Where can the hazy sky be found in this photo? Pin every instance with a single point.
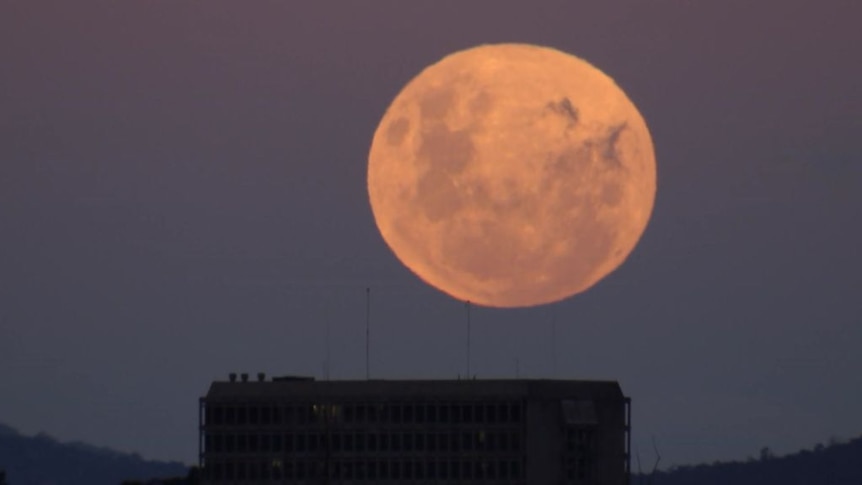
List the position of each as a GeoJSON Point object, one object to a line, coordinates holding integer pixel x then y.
{"type": "Point", "coordinates": [182, 195]}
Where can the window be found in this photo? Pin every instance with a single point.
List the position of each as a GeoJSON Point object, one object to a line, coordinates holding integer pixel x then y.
{"type": "Point", "coordinates": [252, 443]}
{"type": "Point", "coordinates": [217, 415]}
{"type": "Point", "coordinates": [515, 412]}
{"type": "Point", "coordinates": [230, 443]}
{"type": "Point", "coordinates": [266, 415]}
{"type": "Point", "coordinates": [490, 470]}
{"type": "Point", "coordinates": [431, 442]}
{"type": "Point", "coordinates": [241, 417]}
{"type": "Point", "coordinates": [230, 416]}
{"type": "Point", "coordinates": [454, 414]}
{"type": "Point", "coordinates": [420, 414]}
{"type": "Point", "coordinates": [467, 441]}
{"type": "Point", "coordinates": [408, 470]}
{"type": "Point", "coordinates": [407, 441]}
{"type": "Point", "coordinates": [384, 442]}
{"type": "Point", "coordinates": [265, 442]}
{"type": "Point", "coordinates": [491, 413]}
{"type": "Point", "coordinates": [276, 443]}
{"type": "Point", "coordinates": [301, 470]}
{"type": "Point", "coordinates": [431, 413]}
{"type": "Point", "coordinates": [372, 442]}
{"type": "Point", "coordinates": [467, 413]}
{"type": "Point", "coordinates": [503, 441]}
{"type": "Point", "coordinates": [253, 415]}
{"type": "Point", "coordinates": [408, 413]}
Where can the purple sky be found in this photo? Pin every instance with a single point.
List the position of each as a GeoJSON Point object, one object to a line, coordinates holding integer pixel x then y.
{"type": "Point", "coordinates": [182, 195]}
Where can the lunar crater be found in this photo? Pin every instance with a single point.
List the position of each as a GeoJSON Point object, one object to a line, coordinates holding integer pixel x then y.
{"type": "Point", "coordinates": [564, 108]}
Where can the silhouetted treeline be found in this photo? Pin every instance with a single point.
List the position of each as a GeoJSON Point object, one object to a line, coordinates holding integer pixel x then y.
{"type": "Point", "coordinates": [836, 464]}
{"type": "Point", "coordinates": [38, 460]}
{"type": "Point", "coordinates": [192, 478]}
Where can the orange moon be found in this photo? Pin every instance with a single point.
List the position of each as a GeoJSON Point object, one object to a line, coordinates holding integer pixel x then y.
{"type": "Point", "coordinates": [511, 175]}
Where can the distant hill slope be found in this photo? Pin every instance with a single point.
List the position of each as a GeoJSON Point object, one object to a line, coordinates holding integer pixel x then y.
{"type": "Point", "coordinates": [837, 464]}
{"type": "Point", "coordinates": [42, 460]}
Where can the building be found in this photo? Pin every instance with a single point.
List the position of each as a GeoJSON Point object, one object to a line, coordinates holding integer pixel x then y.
{"type": "Point", "coordinates": [302, 431]}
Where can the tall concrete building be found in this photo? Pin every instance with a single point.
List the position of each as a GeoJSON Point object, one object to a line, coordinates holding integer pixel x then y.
{"type": "Point", "coordinates": [301, 431]}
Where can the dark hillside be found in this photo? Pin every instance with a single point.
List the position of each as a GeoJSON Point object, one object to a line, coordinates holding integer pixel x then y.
{"type": "Point", "coordinates": [42, 460]}
{"type": "Point", "coordinates": [836, 464]}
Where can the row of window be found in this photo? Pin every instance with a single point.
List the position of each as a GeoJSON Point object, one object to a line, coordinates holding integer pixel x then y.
{"type": "Point", "coordinates": [492, 441]}
{"type": "Point", "coordinates": [485, 471]}
{"type": "Point", "coordinates": [217, 414]}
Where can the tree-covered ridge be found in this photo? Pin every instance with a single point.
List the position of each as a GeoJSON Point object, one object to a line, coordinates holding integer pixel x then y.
{"type": "Point", "coordinates": [835, 464]}
{"type": "Point", "coordinates": [42, 460]}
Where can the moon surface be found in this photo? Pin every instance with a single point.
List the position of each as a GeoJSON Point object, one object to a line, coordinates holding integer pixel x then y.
{"type": "Point", "coordinates": [511, 175]}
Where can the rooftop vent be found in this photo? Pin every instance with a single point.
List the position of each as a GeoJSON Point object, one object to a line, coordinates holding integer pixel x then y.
{"type": "Point", "coordinates": [232, 376]}
{"type": "Point", "coordinates": [244, 376]}
{"type": "Point", "coordinates": [261, 377]}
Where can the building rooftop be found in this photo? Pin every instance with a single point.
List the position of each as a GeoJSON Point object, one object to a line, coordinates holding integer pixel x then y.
{"type": "Point", "coordinates": [412, 389]}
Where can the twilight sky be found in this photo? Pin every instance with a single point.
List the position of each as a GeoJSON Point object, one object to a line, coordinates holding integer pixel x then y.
{"type": "Point", "coordinates": [182, 195]}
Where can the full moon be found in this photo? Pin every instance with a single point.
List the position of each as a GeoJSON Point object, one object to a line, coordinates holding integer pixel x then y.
{"type": "Point", "coordinates": [511, 175]}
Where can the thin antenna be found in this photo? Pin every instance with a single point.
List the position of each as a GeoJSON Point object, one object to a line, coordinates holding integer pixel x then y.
{"type": "Point", "coordinates": [554, 344]}
{"type": "Point", "coordinates": [367, 333]}
{"type": "Point", "coordinates": [467, 305]}
{"type": "Point", "coordinates": [327, 364]}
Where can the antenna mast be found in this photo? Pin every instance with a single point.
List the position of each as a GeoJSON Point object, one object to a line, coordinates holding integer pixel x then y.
{"type": "Point", "coordinates": [367, 333]}
{"type": "Point", "coordinates": [554, 344]}
{"type": "Point", "coordinates": [467, 305]}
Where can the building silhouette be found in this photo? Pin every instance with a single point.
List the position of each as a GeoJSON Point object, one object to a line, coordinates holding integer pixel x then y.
{"type": "Point", "coordinates": [301, 431]}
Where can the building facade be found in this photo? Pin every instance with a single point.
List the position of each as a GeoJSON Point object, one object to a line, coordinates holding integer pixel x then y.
{"type": "Point", "coordinates": [508, 432]}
